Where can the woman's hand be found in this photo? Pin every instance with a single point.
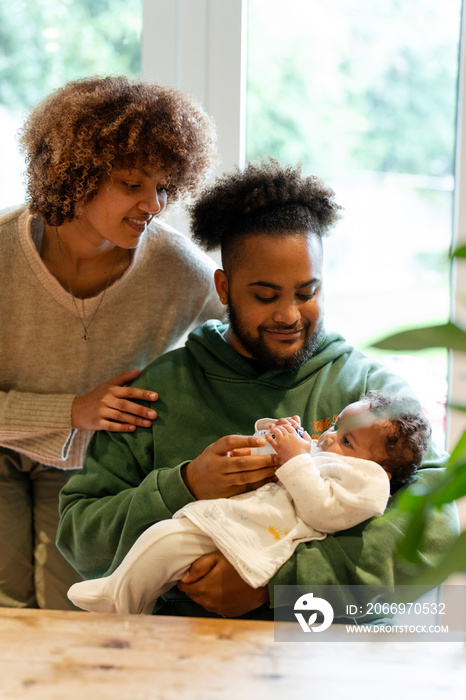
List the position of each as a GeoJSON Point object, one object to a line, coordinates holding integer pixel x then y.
{"type": "Point", "coordinates": [220, 471]}
{"type": "Point", "coordinates": [113, 406]}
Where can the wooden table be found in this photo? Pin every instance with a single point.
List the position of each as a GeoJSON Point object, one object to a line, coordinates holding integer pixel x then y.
{"type": "Point", "coordinates": [52, 655]}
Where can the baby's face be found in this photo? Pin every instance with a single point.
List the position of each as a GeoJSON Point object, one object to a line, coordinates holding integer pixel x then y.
{"type": "Point", "coordinates": [356, 433]}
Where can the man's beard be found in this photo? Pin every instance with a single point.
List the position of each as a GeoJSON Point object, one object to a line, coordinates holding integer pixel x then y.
{"type": "Point", "coordinates": [266, 358]}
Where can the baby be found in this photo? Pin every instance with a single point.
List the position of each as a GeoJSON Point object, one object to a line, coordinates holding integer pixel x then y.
{"type": "Point", "coordinates": [344, 479]}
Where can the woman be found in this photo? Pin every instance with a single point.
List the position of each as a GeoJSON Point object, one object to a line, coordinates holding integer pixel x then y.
{"type": "Point", "coordinates": [94, 288]}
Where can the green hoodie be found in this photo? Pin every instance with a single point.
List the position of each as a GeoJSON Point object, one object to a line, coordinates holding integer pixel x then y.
{"type": "Point", "coordinates": [207, 390]}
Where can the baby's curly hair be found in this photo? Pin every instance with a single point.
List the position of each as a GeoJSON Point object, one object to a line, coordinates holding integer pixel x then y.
{"type": "Point", "coordinates": [75, 138]}
{"type": "Point", "coordinates": [266, 197]}
{"type": "Point", "coordinates": [407, 437]}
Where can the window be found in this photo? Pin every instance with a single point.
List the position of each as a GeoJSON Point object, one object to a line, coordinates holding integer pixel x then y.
{"type": "Point", "coordinates": [364, 95]}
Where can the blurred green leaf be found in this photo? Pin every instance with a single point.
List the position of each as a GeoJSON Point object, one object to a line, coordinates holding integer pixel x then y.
{"type": "Point", "coordinates": [448, 335]}
{"type": "Point", "coordinates": [411, 543]}
{"type": "Point", "coordinates": [454, 560]}
{"type": "Point", "coordinates": [459, 252]}
{"type": "Point", "coordinates": [453, 488]}
{"type": "Point", "coordinates": [409, 500]}
{"type": "Point", "coordinates": [458, 453]}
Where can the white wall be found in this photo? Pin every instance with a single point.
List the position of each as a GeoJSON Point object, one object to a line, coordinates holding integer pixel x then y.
{"type": "Point", "coordinates": [201, 49]}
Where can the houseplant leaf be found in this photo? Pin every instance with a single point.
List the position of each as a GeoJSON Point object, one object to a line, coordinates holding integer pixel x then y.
{"type": "Point", "coordinates": [447, 335]}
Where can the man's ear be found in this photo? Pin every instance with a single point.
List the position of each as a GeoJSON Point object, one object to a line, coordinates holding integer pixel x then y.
{"type": "Point", "coordinates": [221, 285]}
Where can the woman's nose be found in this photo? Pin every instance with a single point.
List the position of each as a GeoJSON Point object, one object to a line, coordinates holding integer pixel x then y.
{"type": "Point", "coordinates": [153, 202]}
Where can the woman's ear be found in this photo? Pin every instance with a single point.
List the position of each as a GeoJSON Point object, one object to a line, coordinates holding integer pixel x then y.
{"type": "Point", "coordinates": [221, 285]}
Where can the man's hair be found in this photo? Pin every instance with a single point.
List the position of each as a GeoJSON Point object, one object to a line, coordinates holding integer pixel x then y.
{"type": "Point", "coordinates": [407, 437]}
{"type": "Point", "coordinates": [75, 138]}
{"type": "Point", "coordinates": [266, 197]}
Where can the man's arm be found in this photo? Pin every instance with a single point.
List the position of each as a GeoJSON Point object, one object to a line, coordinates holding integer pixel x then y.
{"type": "Point", "coordinates": [114, 499]}
{"type": "Point", "coordinates": [119, 493]}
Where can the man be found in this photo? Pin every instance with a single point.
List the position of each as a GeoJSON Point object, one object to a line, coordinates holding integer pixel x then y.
{"type": "Point", "coordinates": [274, 359]}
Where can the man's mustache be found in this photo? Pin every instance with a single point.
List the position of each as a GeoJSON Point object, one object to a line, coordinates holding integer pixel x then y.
{"type": "Point", "coordinates": [286, 327]}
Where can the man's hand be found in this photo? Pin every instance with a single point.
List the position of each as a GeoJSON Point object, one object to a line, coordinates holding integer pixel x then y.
{"type": "Point", "coordinates": [113, 406]}
{"type": "Point", "coordinates": [224, 470]}
{"type": "Point", "coordinates": [214, 583]}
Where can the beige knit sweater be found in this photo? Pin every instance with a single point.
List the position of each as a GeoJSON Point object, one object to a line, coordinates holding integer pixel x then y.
{"type": "Point", "coordinates": [44, 361]}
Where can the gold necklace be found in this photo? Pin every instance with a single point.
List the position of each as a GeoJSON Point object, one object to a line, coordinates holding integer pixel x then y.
{"type": "Point", "coordinates": [85, 326]}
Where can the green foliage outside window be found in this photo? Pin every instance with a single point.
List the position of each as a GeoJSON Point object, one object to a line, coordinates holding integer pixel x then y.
{"type": "Point", "coordinates": [45, 43]}
{"type": "Point", "coordinates": [363, 85]}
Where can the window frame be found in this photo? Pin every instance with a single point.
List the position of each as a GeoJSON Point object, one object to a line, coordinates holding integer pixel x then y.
{"type": "Point", "coordinates": [457, 360]}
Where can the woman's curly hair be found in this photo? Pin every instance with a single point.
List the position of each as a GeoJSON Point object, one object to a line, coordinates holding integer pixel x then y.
{"type": "Point", "coordinates": [407, 438]}
{"type": "Point", "coordinates": [75, 138]}
{"type": "Point", "coordinates": [265, 197]}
